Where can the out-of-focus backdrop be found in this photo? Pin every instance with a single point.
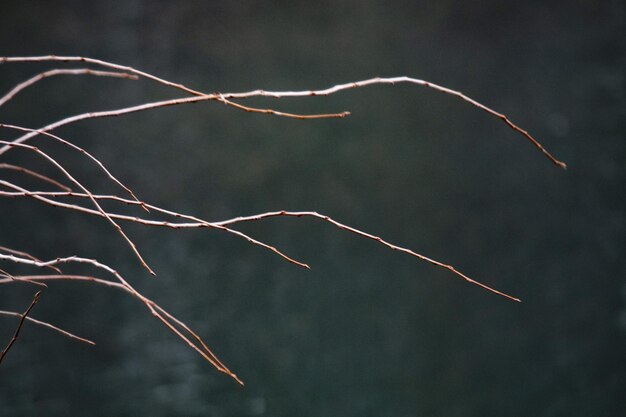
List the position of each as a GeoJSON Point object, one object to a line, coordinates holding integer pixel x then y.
{"type": "Point", "coordinates": [368, 331]}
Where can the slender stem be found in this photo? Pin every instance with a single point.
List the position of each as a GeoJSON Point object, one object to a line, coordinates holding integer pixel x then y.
{"type": "Point", "coordinates": [35, 175]}
{"type": "Point", "coordinates": [196, 222]}
{"type": "Point", "coordinates": [86, 191]}
{"type": "Point", "coordinates": [50, 326]}
{"type": "Point", "coordinates": [51, 73]}
{"type": "Point", "coordinates": [365, 235]}
{"type": "Point", "coordinates": [19, 326]}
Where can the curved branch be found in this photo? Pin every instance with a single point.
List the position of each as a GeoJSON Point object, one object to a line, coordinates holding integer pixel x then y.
{"type": "Point", "coordinates": [254, 93]}
{"type": "Point", "coordinates": [51, 73]}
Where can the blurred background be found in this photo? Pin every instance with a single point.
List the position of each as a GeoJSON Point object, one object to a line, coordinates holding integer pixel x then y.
{"type": "Point", "coordinates": [368, 331]}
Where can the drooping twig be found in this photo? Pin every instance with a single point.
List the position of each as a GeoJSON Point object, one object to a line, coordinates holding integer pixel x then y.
{"type": "Point", "coordinates": [158, 312]}
{"type": "Point", "coordinates": [396, 80]}
{"type": "Point", "coordinates": [19, 326]}
{"type": "Point", "coordinates": [199, 223]}
{"type": "Point", "coordinates": [255, 93]}
{"type": "Point", "coordinates": [378, 239]}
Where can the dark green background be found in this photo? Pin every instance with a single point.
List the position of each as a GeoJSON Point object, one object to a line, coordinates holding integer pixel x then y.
{"type": "Point", "coordinates": [368, 331]}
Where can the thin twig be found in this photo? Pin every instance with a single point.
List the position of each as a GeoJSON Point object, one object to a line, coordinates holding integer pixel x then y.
{"type": "Point", "coordinates": [123, 284]}
{"type": "Point", "coordinates": [365, 235]}
{"type": "Point", "coordinates": [156, 310]}
{"type": "Point", "coordinates": [19, 326]}
{"type": "Point", "coordinates": [35, 175]}
{"type": "Point", "coordinates": [7, 275]}
{"type": "Point", "coordinates": [86, 191]}
{"type": "Point", "coordinates": [65, 277]}
{"type": "Point", "coordinates": [47, 58]}
{"type": "Point", "coordinates": [50, 326]}
{"type": "Point", "coordinates": [109, 113]}
{"type": "Point", "coordinates": [396, 80]}
{"type": "Point", "coordinates": [27, 255]}
{"type": "Point", "coordinates": [196, 222]}
{"type": "Point", "coordinates": [78, 71]}
{"type": "Point", "coordinates": [282, 114]}
{"type": "Point", "coordinates": [81, 150]}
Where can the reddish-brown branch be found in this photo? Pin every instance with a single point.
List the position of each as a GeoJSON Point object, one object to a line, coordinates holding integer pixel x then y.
{"type": "Point", "coordinates": [19, 326]}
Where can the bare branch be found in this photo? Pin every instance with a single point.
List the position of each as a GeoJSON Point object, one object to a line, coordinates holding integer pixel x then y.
{"type": "Point", "coordinates": [48, 58]}
{"type": "Point", "coordinates": [109, 113]}
{"type": "Point", "coordinates": [26, 255]}
{"type": "Point", "coordinates": [75, 181]}
{"type": "Point", "coordinates": [81, 150]}
{"type": "Point", "coordinates": [157, 311]}
{"type": "Point", "coordinates": [51, 73]}
{"type": "Point", "coordinates": [396, 80]}
{"type": "Point", "coordinates": [35, 175]}
{"type": "Point", "coordinates": [365, 235]}
{"type": "Point", "coordinates": [265, 93]}
{"type": "Point", "coordinates": [196, 222]}
{"type": "Point", "coordinates": [279, 113]}
{"type": "Point", "coordinates": [50, 326]}
{"type": "Point", "coordinates": [5, 274]}
{"type": "Point", "coordinates": [65, 277]}
{"type": "Point", "coordinates": [19, 326]}
{"type": "Point", "coordinates": [67, 199]}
